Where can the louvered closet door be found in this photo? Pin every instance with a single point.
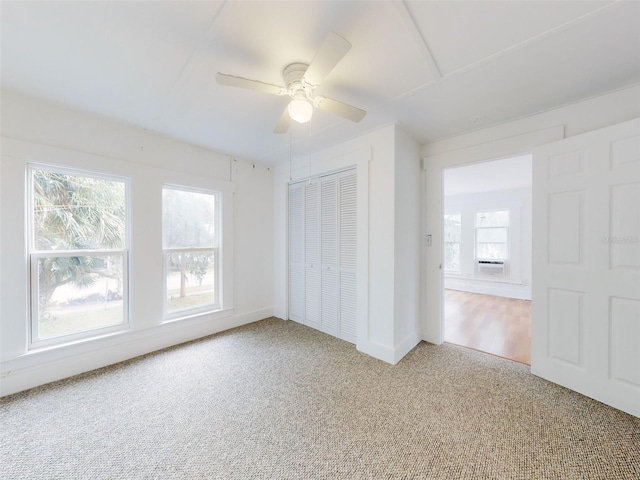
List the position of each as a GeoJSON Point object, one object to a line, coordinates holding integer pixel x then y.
{"type": "Point", "coordinates": [312, 254]}
{"type": "Point", "coordinates": [323, 254]}
{"type": "Point", "coordinates": [296, 253]}
{"type": "Point", "coordinates": [329, 253]}
{"type": "Point", "coordinates": [347, 209]}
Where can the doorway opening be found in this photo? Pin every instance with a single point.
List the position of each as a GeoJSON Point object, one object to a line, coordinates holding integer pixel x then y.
{"type": "Point", "coordinates": [487, 256]}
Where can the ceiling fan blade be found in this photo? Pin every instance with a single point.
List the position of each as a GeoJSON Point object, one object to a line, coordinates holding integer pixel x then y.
{"type": "Point", "coordinates": [284, 122]}
{"type": "Point", "coordinates": [342, 109]}
{"type": "Point", "coordinates": [240, 82]}
{"type": "Point", "coordinates": [328, 55]}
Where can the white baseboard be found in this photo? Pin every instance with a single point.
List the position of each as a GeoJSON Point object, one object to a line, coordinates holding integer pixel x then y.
{"type": "Point", "coordinates": [405, 346]}
{"type": "Point", "coordinates": [389, 354]}
{"type": "Point", "coordinates": [38, 368]}
{"type": "Point", "coordinates": [376, 350]}
{"type": "Point", "coordinates": [508, 290]}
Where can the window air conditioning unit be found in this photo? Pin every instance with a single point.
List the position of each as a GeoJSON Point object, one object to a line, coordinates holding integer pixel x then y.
{"type": "Point", "coordinates": [491, 267]}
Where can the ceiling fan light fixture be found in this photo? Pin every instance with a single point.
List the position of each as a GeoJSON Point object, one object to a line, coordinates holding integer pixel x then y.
{"type": "Point", "coordinates": [301, 80]}
{"type": "Point", "coordinates": [300, 110]}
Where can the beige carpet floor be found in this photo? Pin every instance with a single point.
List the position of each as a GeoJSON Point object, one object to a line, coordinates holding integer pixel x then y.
{"type": "Point", "coordinates": [277, 400]}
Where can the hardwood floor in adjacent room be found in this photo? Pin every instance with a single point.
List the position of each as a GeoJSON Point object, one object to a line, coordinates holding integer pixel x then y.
{"type": "Point", "coordinates": [497, 325]}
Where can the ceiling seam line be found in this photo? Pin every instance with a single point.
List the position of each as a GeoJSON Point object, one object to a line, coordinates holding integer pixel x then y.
{"type": "Point", "coordinates": [418, 38]}
{"type": "Point", "coordinates": [180, 80]}
{"type": "Point", "coordinates": [488, 59]}
{"type": "Point", "coordinates": [558, 28]}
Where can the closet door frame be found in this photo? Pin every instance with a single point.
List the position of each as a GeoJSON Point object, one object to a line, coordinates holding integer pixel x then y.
{"type": "Point", "coordinates": [328, 165]}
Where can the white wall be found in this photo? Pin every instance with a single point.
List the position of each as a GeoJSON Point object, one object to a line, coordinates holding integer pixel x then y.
{"type": "Point", "coordinates": [407, 242]}
{"type": "Point", "coordinates": [502, 141]}
{"type": "Point", "coordinates": [576, 118]}
{"type": "Point", "coordinates": [36, 131]}
{"type": "Point", "coordinates": [390, 157]}
{"type": "Point", "coordinates": [517, 282]}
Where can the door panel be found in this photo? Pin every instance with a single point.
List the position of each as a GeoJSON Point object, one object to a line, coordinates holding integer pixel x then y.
{"type": "Point", "coordinates": [312, 255]}
{"type": "Point", "coordinates": [586, 264]}
{"type": "Point", "coordinates": [329, 253]}
{"type": "Point", "coordinates": [296, 253]}
{"type": "Point", "coordinates": [348, 254]}
{"type": "Point", "coordinates": [348, 306]}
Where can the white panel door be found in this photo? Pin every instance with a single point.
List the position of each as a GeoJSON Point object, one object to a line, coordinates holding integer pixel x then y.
{"type": "Point", "coordinates": [329, 253]}
{"type": "Point", "coordinates": [312, 254]}
{"type": "Point", "coordinates": [586, 264]}
{"type": "Point", "coordinates": [296, 253]}
{"type": "Point", "coordinates": [347, 201]}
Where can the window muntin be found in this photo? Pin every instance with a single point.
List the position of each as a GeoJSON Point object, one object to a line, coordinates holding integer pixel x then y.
{"type": "Point", "coordinates": [452, 239]}
{"type": "Point", "coordinates": [77, 252]}
{"type": "Point", "coordinates": [190, 221]}
{"type": "Point", "coordinates": [492, 235]}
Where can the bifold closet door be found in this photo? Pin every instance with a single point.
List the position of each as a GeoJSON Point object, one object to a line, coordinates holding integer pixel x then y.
{"type": "Point", "coordinates": [348, 254]}
{"type": "Point", "coordinates": [323, 253]}
{"type": "Point", "coordinates": [329, 253]}
{"type": "Point", "coordinates": [296, 253]}
{"type": "Point", "coordinates": [312, 254]}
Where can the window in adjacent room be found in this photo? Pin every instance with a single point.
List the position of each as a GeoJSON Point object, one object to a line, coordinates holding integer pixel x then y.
{"type": "Point", "coordinates": [190, 223]}
{"type": "Point", "coordinates": [77, 253]}
{"type": "Point", "coordinates": [452, 237]}
{"type": "Point", "coordinates": [492, 235]}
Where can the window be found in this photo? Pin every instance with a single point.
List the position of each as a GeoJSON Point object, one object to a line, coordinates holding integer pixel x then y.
{"type": "Point", "coordinates": [190, 223]}
{"type": "Point", "coordinates": [492, 235]}
{"type": "Point", "coordinates": [77, 254]}
{"type": "Point", "coordinates": [452, 236]}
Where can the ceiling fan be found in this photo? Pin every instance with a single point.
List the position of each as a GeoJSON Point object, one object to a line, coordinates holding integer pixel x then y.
{"type": "Point", "coordinates": [301, 80]}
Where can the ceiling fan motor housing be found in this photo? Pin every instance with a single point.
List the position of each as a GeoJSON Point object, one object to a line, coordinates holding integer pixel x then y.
{"type": "Point", "coordinates": [301, 80]}
{"type": "Point", "coordinates": [296, 87]}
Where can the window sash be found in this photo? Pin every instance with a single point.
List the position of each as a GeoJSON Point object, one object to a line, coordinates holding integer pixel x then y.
{"type": "Point", "coordinates": [452, 237]}
{"type": "Point", "coordinates": [35, 167]}
{"type": "Point", "coordinates": [446, 266]}
{"type": "Point", "coordinates": [214, 277]}
{"type": "Point", "coordinates": [492, 218]}
{"type": "Point", "coordinates": [215, 241]}
{"type": "Point", "coordinates": [492, 235]}
{"type": "Point", "coordinates": [38, 340]}
{"type": "Point", "coordinates": [169, 313]}
{"type": "Point", "coordinates": [76, 253]}
{"type": "Point", "coordinates": [34, 255]}
{"type": "Point", "coordinates": [490, 226]}
{"type": "Point", "coordinates": [453, 228]}
{"type": "Point", "coordinates": [498, 245]}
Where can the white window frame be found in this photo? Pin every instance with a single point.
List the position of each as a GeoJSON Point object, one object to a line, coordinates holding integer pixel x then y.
{"type": "Point", "coordinates": [507, 242]}
{"type": "Point", "coordinates": [33, 255]}
{"type": "Point", "coordinates": [166, 251]}
{"type": "Point", "coordinates": [459, 270]}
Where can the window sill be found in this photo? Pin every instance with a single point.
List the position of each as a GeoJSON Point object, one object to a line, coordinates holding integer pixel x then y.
{"type": "Point", "coordinates": [130, 335]}
{"type": "Point", "coordinates": [188, 315]}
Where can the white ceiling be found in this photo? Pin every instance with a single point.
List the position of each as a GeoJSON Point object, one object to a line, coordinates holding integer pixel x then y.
{"type": "Point", "coordinates": [492, 176]}
{"type": "Point", "coordinates": [437, 68]}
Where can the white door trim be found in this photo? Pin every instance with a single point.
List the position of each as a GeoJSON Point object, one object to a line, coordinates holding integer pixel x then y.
{"type": "Point", "coordinates": [432, 322]}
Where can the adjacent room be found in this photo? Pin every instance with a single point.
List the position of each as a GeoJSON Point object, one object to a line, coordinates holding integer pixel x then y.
{"type": "Point", "coordinates": [319, 239]}
{"type": "Point", "coordinates": [487, 256]}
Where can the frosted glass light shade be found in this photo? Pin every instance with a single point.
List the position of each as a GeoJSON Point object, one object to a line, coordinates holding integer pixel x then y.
{"type": "Point", "coordinates": [300, 110]}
